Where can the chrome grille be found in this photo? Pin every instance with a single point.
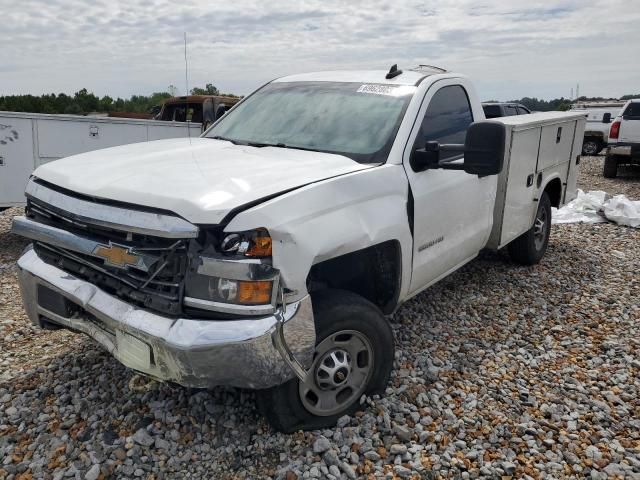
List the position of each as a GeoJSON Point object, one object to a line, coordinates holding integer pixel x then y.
{"type": "Point", "coordinates": [155, 283]}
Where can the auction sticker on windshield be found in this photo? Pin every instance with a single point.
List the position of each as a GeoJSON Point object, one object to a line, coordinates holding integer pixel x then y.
{"type": "Point", "coordinates": [390, 90]}
{"type": "Point", "coordinates": [377, 89]}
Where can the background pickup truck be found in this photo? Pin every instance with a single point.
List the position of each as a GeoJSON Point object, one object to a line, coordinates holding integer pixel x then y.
{"type": "Point", "coordinates": [596, 131]}
{"type": "Point", "coordinates": [503, 109]}
{"type": "Point", "coordinates": [266, 253]}
{"type": "Point", "coordinates": [624, 139]}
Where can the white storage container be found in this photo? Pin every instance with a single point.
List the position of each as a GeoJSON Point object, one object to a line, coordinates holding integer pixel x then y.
{"type": "Point", "coordinates": [27, 140]}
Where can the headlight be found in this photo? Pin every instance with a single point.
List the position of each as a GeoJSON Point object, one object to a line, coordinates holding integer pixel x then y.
{"type": "Point", "coordinates": [240, 291]}
{"type": "Point", "coordinates": [222, 278]}
{"type": "Point", "coordinates": [255, 243]}
{"type": "Point", "coordinates": [221, 294]}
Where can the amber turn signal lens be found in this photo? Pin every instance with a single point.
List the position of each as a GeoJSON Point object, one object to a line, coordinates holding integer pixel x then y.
{"type": "Point", "coordinates": [260, 245]}
{"type": "Point", "coordinates": [253, 293]}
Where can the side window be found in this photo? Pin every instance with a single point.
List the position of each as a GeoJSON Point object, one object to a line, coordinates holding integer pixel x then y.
{"type": "Point", "coordinates": [633, 110]}
{"type": "Point", "coordinates": [492, 111]}
{"type": "Point", "coordinates": [447, 118]}
{"type": "Point", "coordinates": [523, 111]}
{"type": "Point", "coordinates": [510, 110]}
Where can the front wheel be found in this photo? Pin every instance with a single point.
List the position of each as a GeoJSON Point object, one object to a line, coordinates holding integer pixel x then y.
{"type": "Point", "coordinates": [353, 356]}
{"type": "Point", "coordinates": [529, 248]}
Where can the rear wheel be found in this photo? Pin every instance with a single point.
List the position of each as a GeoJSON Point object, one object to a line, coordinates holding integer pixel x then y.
{"type": "Point", "coordinates": [591, 146]}
{"type": "Point", "coordinates": [530, 247]}
{"type": "Point", "coordinates": [610, 169]}
{"type": "Point", "coordinates": [353, 356]}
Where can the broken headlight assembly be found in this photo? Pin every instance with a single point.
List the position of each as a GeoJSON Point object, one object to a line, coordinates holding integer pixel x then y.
{"type": "Point", "coordinates": [255, 243]}
{"type": "Point", "coordinates": [231, 273]}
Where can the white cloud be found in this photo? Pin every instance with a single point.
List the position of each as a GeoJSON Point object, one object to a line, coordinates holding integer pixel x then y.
{"type": "Point", "coordinates": [510, 49]}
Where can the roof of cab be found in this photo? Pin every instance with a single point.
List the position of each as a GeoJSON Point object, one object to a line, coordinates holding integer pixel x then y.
{"type": "Point", "coordinates": [407, 77]}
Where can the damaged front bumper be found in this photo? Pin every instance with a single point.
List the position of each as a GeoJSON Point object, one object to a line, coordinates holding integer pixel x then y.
{"type": "Point", "coordinates": [198, 353]}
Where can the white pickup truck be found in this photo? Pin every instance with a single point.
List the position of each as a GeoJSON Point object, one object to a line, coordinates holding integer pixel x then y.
{"type": "Point", "coordinates": [624, 139]}
{"type": "Point", "coordinates": [266, 253]}
{"type": "Point", "coordinates": [596, 131]}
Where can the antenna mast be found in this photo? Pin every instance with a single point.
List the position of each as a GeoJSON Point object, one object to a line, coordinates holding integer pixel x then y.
{"type": "Point", "coordinates": [186, 84]}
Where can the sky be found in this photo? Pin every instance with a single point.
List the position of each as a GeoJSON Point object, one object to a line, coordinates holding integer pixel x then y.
{"type": "Point", "coordinates": [510, 49]}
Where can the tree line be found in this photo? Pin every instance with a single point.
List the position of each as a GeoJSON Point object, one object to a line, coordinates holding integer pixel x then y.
{"type": "Point", "coordinates": [563, 104]}
{"type": "Point", "coordinates": [83, 102]}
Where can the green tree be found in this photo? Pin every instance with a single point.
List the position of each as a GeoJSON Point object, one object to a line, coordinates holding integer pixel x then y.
{"type": "Point", "coordinates": [73, 109]}
{"type": "Point", "coordinates": [209, 89]}
{"type": "Point", "coordinates": [87, 102]}
{"type": "Point", "coordinates": [105, 104]}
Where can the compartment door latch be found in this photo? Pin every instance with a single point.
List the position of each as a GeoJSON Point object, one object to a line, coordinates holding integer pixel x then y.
{"type": "Point", "coordinates": [530, 180]}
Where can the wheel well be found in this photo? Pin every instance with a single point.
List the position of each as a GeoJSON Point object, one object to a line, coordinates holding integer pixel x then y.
{"type": "Point", "coordinates": [554, 190]}
{"type": "Point", "coordinates": [373, 272]}
{"type": "Point", "coordinates": [594, 135]}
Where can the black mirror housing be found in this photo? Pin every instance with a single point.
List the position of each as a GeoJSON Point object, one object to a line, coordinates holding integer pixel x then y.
{"type": "Point", "coordinates": [483, 151]}
{"type": "Point", "coordinates": [484, 148]}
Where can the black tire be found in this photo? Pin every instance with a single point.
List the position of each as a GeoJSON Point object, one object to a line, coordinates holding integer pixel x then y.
{"type": "Point", "coordinates": [529, 248]}
{"type": "Point", "coordinates": [591, 146]}
{"type": "Point", "coordinates": [610, 169]}
{"type": "Point", "coordinates": [334, 311]}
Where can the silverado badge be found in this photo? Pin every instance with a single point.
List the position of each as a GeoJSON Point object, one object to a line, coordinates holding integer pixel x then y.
{"type": "Point", "coordinates": [117, 256]}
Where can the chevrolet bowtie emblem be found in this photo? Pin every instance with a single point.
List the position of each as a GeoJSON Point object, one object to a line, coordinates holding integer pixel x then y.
{"type": "Point", "coordinates": [116, 256]}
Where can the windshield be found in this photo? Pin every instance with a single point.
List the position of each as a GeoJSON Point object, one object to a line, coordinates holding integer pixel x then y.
{"type": "Point", "coordinates": [351, 119]}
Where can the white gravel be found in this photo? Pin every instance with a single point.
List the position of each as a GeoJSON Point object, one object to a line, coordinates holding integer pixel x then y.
{"type": "Point", "coordinates": [501, 371]}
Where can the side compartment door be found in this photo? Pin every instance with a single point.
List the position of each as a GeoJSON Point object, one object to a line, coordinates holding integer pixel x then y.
{"type": "Point", "coordinates": [452, 209]}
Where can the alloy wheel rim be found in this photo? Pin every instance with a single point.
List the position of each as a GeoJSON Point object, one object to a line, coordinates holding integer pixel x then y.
{"type": "Point", "coordinates": [589, 148]}
{"type": "Point", "coordinates": [341, 369]}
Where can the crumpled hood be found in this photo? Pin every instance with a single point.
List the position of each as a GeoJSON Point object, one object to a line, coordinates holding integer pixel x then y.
{"type": "Point", "coordinates": [200, 179]}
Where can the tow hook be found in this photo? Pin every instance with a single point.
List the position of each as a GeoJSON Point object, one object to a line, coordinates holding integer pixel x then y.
{"type": "Point", "coordinates": [281, 345]}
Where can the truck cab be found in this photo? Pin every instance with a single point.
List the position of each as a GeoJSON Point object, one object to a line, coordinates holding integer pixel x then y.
{"type": "Point", "coordinates": [204, 109]}
{"type": "Point", "coordinates": [503, 109]}
{"type": "Point", "coordinates": [266, 253]}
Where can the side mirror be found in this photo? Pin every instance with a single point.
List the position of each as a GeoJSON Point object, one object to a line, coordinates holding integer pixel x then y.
{"type": "Point", "coordinates": [484, 148]}
{"type": "Point", "coordinates": [483, 151]}
{"type": "Point", "coordinates": [606, 118]}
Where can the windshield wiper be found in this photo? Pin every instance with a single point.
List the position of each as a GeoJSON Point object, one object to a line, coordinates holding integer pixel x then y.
{"type": "Point", "coordinates": [218, 137]}
{"type": "Point", "coordinates": [262, 145]}
{"type": "Point", "coordinates": [279, 145]}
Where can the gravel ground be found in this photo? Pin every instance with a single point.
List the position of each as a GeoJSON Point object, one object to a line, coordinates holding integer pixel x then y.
{"type": "Point", "coordinates": [501, 371]}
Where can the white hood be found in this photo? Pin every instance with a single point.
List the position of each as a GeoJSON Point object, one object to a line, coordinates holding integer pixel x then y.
{"type": "Point", "coordinates": [200, 179]}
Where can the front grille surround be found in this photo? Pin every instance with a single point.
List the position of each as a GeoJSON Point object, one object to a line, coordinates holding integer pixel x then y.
{"type": "Point", "coordinates": [160, 288]}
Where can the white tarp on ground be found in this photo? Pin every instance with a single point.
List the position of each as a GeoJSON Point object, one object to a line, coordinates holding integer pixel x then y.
{"type": "Point", "coordinates": [598, 206]}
